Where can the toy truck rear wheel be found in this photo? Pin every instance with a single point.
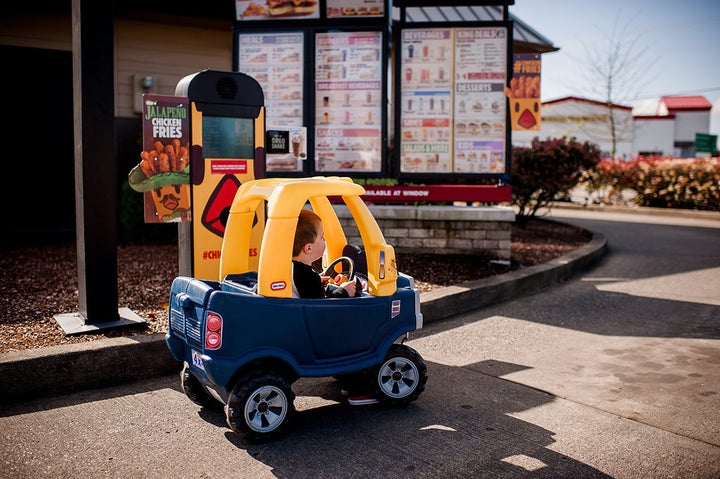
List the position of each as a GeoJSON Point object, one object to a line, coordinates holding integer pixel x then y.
{"type": "Point", "coordinates": [195, 391]}
{"type": "Point", "coordinates": [260, 406]}
{"type": "Point", "coordinates": [401, 377]}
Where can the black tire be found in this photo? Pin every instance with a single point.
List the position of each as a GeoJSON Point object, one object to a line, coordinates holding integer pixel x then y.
{"type": "Point", "coordinates": [260, 406]}
{"type": "Point", "coordinates": [401, 377]}
{"type": "Point", "coordinates": [194, 390]}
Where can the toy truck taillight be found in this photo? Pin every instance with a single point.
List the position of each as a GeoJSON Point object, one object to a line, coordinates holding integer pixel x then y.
{"type": "Point", "coordinates": [213, 330]}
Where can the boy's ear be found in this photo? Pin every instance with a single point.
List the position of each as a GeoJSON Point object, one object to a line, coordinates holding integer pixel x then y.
{"type": "Point", "coordinates": [307, 248]}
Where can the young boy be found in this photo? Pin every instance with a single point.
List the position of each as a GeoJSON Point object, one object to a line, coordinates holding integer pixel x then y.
{"type": "Point", "coordinates": [309, 246]}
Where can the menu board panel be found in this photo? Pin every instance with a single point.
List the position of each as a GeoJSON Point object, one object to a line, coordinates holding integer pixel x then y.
{"type": "Point", "coordinates": [276, 61]}
{"type": "Point", "coordinates": [426, 86]}
{"type": "Point", "coordinates": [348, 101]}
{"type": "Point", "coordinates": [453, 115]}
{"type": "Point", "coordinates": [480, 118]}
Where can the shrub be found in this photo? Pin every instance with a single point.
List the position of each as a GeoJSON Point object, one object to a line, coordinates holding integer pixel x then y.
{"type": "Point", "coordinates": [659, 181]}
{"type": "Point", "coordinates": [547, 171]}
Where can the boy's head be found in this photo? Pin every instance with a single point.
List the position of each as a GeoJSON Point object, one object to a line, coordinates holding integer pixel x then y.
{"type": "Point", "coordinates": [308, 227]}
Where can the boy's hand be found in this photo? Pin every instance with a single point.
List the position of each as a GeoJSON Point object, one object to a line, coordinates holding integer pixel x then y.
{"type": "Point", "coordinates": [349, 286]}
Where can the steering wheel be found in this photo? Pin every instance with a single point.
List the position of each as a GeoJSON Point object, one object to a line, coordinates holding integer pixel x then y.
{"type": "Point", "coordinates": [330, 271]}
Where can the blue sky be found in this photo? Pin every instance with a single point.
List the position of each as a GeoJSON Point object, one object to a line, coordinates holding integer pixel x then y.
{"type": "Point", "coordinates": [682, 41]}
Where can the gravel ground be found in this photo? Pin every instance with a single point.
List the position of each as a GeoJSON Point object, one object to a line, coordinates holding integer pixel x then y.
{"type": "Point", "coordinates": [39, 281]}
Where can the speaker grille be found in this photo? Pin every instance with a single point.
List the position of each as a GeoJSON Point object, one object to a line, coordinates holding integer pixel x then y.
{"type": "Point", "coordinates": [227, 89]}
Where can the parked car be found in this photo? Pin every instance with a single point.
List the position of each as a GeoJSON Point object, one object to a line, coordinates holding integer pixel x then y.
{"type": "Point", "coordinates": [244, 340]}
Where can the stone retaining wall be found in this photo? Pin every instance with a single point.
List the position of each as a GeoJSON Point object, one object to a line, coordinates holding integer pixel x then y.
{"type": "Point", "coordinates": [481, 230]}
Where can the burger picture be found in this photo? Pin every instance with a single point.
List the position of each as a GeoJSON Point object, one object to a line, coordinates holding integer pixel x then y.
{"type": "Point", "coordinates": [304, 6]}
{"type": "Point", "coordinates": [280, 7]}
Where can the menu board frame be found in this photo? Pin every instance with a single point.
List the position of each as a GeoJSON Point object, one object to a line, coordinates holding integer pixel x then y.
{"type": "Point", "coordinates": [453, 119]}
{"type": "Point", "coordinates": [307, 99]}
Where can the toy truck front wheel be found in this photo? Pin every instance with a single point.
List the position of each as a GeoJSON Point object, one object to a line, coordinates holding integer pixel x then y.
{"type": "Point", "coordinates": [401, 377]}
{"type": "Point", "coordinates": [260, 406]}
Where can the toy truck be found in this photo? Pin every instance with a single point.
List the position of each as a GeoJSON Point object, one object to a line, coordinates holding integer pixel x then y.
{"type": "Point", "coordinates": [244, 340]}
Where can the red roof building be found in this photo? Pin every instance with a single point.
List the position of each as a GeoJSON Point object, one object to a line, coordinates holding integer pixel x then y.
{"type": "Point", "coordinates": [662, 126]}
{"type": "Point", "coordinates": [685, 103]}
{"type": "Point", "coordinates": [671, 128]}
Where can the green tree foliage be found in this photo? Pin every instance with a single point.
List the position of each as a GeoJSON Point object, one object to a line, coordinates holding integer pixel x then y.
{"type": "Point", "coordinates": [547, 171]}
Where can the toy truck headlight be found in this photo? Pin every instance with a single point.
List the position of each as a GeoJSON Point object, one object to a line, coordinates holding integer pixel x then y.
{"type": "Point", "coordinates": [213, 330]}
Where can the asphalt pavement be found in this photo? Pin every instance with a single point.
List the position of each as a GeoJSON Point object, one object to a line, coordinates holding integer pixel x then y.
{"type": "Point", "coordinates": [610, 374]}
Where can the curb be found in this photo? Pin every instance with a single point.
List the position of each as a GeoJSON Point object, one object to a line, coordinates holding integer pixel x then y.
{"type": "Point", "coordinates": [457, 299]}
{"type": "Point", "coordinates": [64, 369]}
{"type": "Point", "coordinates": [638, 210]}
{"type": "Point", "coordinates": [69, 368]}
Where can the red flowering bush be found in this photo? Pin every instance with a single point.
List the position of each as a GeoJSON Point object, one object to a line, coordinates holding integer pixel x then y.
{"type": "Point", "coordinates": [547, 171]}
{"type": "Point", "coordinates": [659, 181]}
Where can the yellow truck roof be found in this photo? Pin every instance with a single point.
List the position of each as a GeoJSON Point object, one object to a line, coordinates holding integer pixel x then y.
{"type": "Point", "coordinates": [267, 247]}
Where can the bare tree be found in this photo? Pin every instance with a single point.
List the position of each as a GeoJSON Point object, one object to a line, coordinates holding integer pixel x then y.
{"type": "Point", "coordinates": [618, 67]}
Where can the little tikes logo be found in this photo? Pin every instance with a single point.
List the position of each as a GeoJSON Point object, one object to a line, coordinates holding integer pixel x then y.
{"type": "Point", "coordinates": [277, 285]}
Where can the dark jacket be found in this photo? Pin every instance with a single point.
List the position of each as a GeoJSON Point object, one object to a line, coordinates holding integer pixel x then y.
{"type": "Point", "coordinates": [307, 284]}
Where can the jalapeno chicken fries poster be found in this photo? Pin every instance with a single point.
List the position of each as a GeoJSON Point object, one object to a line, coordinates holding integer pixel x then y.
{"type": "Point", "coordinates": [163, 174]}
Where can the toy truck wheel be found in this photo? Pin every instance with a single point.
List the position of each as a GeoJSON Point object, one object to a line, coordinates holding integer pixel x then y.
{"type": "Point", "coordinates": [401, 377]}
{"type": "Point", "coordinates": [194, 389]}
{"type": "Point", "coordinates": [260, 406]}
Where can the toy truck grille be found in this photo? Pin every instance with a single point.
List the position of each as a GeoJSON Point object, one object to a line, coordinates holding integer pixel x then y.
{"type": "Point", "coordinates": [186, 325]}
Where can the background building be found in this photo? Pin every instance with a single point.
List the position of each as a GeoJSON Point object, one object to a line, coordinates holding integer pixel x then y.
{"type": "Point", "coordinates": [586, 120]}
{"type": "Point", "coordinates": [668, 125]}
{"type": "Point", "coordinates": [663, 126]}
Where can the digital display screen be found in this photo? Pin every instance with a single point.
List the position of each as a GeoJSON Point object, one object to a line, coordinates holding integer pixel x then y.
{"type": "Point", "coordinates": [224, 137]}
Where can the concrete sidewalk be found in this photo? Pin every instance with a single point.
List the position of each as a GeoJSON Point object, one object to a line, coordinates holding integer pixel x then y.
{"type": "Point", "coordinates": [65, 369]}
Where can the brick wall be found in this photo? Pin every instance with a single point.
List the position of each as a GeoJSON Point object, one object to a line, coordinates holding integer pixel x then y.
{"type": "Point", "coordinates": [440, 229]}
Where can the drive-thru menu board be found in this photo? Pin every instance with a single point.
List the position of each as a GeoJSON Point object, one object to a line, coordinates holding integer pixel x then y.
{"type": "Point", "coordinates": [348, 101]}
{"type": "Point", "coordinates": [453, 116]}
{"type": "Point", "coordinates": [276, 60]}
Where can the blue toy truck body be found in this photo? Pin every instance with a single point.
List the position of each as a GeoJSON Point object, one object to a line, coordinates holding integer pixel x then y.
{"type": "Point", "coordinates": [244, 350]}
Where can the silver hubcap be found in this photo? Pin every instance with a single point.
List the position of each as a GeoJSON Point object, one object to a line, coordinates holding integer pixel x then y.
{"type": "Point", "coordinates": [398, 377]}
{"type": "Point", "coordinates": [266, 409]}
